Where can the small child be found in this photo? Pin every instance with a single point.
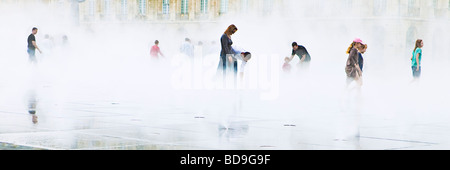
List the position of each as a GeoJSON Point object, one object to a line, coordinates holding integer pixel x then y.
{"type": "Point", "coordinates": [156, 50]}
{"type": "Point", "coordinates": [246, 56]}
{"type": "Point", "coordinates": [287, 65]}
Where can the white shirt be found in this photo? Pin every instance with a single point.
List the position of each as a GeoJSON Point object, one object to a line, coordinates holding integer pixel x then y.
{"type": "Point", "coordinates": [237, 56]}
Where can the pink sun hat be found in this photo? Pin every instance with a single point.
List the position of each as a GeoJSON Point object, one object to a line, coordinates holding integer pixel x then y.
{"type": "Point", "coordinates": [358, 40]}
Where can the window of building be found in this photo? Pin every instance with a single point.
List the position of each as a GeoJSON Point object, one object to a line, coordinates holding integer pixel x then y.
{"type": "Point", "coordinates": [244, 5]}
{"type": "Point", "coordinates": [435, 4]}
{"type": "Point", "coordinates": [223, 6]}
{"type": "Point", "coordinates": [412, 9]}
{"type": "Point", "coordinates": [91, 7]}
{"type": "Point", "coordinates": [204, 6]}
{"type": "Point", "coordinates": [379, 7]}
{"type": "Point", "coordinates": [142, 7]}
{"type": "Point", "coordinates": [348, 4]}
{"type": "Point", "coordinates": [165, 6]}
{"type": "Point", "coordinates": [184, 7]}
{"type": "Point", "coordinates": [411, 3]}
{"type": "Point", "coordinates": [107, 7]}
{"type": "Point", "coordinates": [124, 7]}
{"type": "Point", "coordinates": [267, 6]}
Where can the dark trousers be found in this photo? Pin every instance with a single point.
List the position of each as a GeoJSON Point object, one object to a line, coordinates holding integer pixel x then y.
{"type": "Point", "coordinates": [224, 62]}
{"type": "Point", "coordinates": [225, 67]}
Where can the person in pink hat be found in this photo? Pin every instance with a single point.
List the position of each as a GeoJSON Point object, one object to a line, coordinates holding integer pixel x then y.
{"type": "Point", "coordinates": [352, 68]}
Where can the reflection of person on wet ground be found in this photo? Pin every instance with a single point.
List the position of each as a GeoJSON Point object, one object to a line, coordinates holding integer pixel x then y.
{"type": "Point", "coordinates": [32, 108]}
{"type": "Point", "coordinates": [302, 53]}
{"type": "Point", "coordinates": [32, 46]}
{"type": "Point", "coordinates": [227, 51]}
{"type": "Point", "coordinates": [416, 60]}
{"type": "Point", "coordinates": [352, 68]}
{"type": "Point", "coordinates": [156, 51]}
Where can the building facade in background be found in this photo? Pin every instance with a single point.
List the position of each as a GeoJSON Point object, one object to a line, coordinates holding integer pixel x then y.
{"type": "Point", "coordinates": [395, 20]}
{"type": "Point", "coordinates": [166, 10]}
{"type": "Point", "coordinates": [210, 10]}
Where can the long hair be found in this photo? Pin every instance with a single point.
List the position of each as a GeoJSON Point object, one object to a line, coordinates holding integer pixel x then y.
{"type": "Point", "coordinates": [418, 43]}
{"type": "Point", "coordinates": [231, 30]}
{"type": "Point", "coordinates": [350, 48]}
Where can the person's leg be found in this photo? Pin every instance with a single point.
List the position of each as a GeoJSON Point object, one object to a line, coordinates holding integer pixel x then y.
{"type": "Point", "coordinates": [419, 73]}
{"type": "Point", "coordinates": [224, 64]}
{"type": "Point", "coordinates": [414, 71]}
{"type": "Point", "coordinates": [31, 55]}
{"type": "Point", "coordinates": [414, 74]}
{"type": "Point", "coordinates": [235, 67]}
{"type": "Point", "coordinates": [349, 80]}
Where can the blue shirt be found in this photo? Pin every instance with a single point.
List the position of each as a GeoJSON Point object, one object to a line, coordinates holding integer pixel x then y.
{"type": "Point", "coordinates": [415, 53]}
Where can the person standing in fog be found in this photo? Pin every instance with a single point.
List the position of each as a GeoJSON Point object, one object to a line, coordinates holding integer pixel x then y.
{"type": "Point", "coordinates": [156, 51]}
{"type": "Point", "coordinates": [352, 68]}
{"type": "Point", "coordinates": [187, 48]}
{"type": "Point", "coordinates": [32, 46]}
{"type": "Point", "coordinates": [227, 52]}
{"type": "Point", "coordinates": [416, 59]}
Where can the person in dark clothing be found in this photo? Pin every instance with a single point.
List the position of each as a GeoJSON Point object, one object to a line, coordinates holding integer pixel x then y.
{"type": "Point", "coordinates": [302, 53]}
{"type": "Point", "coordinates": [32, 45]}
{"type": "Point", "coordinates": [227, 52]}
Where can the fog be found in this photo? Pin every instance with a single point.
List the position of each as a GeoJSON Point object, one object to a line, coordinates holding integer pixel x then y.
{"type": "Point", "coordinates": [110, 63]}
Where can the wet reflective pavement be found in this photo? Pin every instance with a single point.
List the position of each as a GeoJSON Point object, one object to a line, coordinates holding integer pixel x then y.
{"type": "Point", "coordinates": [131, 125]}
{"type": "Point", "coordinates": [110, 114]}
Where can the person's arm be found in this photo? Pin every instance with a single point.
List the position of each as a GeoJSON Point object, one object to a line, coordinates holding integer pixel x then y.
{"type": "Point", "coordinates": [291, 58]}
{"type": "Point", "coordinates": [35, 46]}
{"type": "Point", "coordinates": [358, 69]}
{"type": "Point", "coordinates": [159, 51]}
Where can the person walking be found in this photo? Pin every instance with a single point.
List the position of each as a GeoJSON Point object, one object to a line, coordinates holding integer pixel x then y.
{"type": "Point", "coordinates": [416, 59]}
{"type": "Point", "coordinates": [32, 46]}
{"type": "Point", "coordinates": [352, 68]}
